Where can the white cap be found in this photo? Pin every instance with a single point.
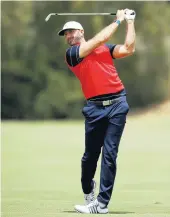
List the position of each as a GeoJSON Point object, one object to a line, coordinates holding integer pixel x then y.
{"type": "Point", "coordinates": [70, 25]}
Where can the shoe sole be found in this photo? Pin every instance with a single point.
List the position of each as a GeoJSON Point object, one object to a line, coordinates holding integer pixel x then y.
{"type": "Point", "coordinates": [90, 213]}
{"type": "Point", "coordinates": [81, 212]}
{"type": "Point", "coordinates": [78, 211]}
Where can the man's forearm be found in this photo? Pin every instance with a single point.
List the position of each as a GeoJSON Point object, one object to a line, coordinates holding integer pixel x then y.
{"type": "Point", "coordinates": [105, 34]}
{"type": "Point", "coordinates": [130, 37]}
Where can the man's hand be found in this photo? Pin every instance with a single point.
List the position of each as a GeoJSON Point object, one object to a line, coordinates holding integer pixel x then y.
{"type": "Point", "coordinates": [120, 15]}
{"type": "Point", "coordinates": [130, 15]}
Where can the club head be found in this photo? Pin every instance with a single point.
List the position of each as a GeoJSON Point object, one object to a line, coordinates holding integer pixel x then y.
{"type": "Point", "coordinates": [48, 17]}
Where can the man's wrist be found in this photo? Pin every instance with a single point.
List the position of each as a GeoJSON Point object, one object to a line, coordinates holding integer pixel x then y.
{"type": "Point", "coordinates": [130, 21]}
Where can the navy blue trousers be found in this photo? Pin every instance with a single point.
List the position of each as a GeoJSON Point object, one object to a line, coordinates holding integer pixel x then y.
{"type": "Point", "coordinates": [104, 126]}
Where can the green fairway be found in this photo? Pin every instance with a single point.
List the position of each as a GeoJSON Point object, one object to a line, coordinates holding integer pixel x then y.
{"type": "Point", "coordinates": [41, 168]}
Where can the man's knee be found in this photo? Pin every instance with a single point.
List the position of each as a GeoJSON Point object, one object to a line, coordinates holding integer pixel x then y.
{"type": "Point", "coordinates": [90, 157]}
{"type": "Point", "coordinates": [109, 159]}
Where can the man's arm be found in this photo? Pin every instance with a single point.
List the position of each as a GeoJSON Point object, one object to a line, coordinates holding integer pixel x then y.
{"type": "Point", "coordinates": [128, 48]}
{"type": "Point", "coordinates": [103, 36]}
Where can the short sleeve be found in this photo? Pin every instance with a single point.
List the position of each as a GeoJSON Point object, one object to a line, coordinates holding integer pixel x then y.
{"type": "Point", "coordinates": [111, 48]}
{"type": "Point", "coordinates": [72, 55]}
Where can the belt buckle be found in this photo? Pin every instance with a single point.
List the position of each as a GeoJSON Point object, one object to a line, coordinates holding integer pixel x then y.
{"type": "Point", "coordinates": [106, 102]}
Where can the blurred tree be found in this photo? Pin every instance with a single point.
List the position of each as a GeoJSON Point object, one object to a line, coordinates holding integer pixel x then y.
{"type": "Point", "coordinates": [36, 82]}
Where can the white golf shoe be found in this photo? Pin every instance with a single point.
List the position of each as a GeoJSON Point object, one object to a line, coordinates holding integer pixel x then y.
{"type": "Point", "coordinates": [91, 196]}
{"type": "Point", "coordinates": [92, 208]}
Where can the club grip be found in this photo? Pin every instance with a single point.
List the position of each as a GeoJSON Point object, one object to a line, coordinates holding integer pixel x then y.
{"type": "Point", "coordinates": [112, 13]}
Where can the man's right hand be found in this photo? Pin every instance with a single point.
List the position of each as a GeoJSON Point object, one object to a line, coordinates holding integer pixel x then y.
{"type": "Point", "coordinates": [120, 15]}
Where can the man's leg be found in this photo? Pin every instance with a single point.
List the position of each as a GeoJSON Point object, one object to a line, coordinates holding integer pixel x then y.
{"type": "Point", "coordinates": [109, 154]}
{"type": "Point", "coordinates": [94, 138]}
{"type": "Point", "coordinates": [108, 170]}
{"type": "Point", "coordinates": [95, 128]}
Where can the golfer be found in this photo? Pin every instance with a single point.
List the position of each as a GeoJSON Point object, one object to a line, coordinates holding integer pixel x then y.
{"type": "Point", "coordinates": [106, 108]}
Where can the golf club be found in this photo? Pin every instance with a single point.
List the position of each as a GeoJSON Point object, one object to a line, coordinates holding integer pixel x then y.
{"type": "Point", "coordinates": [82, 14]}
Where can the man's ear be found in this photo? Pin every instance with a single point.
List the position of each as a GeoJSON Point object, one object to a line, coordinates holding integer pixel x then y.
{"type": "Point", "coordinates": [82, 31]}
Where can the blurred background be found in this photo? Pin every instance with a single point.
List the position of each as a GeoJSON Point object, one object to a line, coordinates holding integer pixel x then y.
{"type": "Point", "coordinates": [36, 83]}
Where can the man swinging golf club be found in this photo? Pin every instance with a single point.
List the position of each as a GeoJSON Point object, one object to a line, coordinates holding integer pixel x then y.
{"type": "Point", "coordinates": [106, 109]}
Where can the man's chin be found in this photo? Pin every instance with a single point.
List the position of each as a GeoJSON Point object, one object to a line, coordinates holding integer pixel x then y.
{"type": "Point", "coordinates": [71, 43]}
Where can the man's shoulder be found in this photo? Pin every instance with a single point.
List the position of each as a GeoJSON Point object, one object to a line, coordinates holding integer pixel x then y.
{"type": "Point", "coordinates": [106, 46]}
{"type": "Point", "coordinates": [72, 50]}
{"type": "Point", "coordinates": [72, 55]}
{"type": "Point", "coordinates": [110, 45]}
{"type": "Point", "coordinates": [72, 47]}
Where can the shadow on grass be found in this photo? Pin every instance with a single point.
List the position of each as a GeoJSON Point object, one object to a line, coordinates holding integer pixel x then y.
{"type": "Point", "coordinates": [112, 212]}
{"type": "Point", "coordinates": [121, 212]}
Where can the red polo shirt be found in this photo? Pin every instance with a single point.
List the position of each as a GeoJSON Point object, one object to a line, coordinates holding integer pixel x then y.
{"type": "Point", "coordinates": [96, 72]}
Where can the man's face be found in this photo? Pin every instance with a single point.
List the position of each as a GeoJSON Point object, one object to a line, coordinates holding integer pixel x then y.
{"type": "Point", "coordinates": [73, 36]}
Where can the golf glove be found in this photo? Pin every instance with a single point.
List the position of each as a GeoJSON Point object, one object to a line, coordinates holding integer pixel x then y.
{"type": "Point", "coordinates": [130, 14]}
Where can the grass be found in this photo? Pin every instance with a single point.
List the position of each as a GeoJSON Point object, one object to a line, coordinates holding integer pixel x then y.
{"type": "Point", "coordinates": [41, 169]}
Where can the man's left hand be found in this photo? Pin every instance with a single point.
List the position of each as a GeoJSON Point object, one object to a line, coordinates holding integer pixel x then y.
{"type": "Point", "coordinates": [130, 15]}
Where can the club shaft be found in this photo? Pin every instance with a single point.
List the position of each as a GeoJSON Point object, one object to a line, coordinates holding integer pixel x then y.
{"type": "Point", "coordinates": [84, 14]}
